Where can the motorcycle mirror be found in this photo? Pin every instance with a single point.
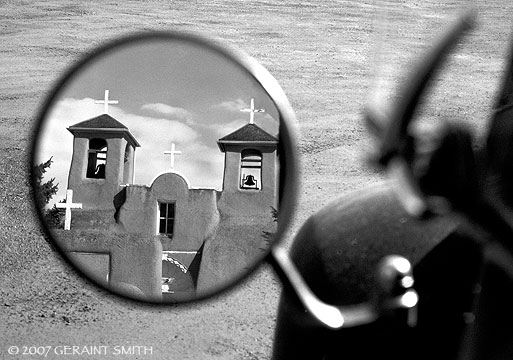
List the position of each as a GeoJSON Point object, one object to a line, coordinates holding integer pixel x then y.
{"type": "Point", "coordinates": [164, 166]}
{"type": "Point", "coordinates": [391, 126]}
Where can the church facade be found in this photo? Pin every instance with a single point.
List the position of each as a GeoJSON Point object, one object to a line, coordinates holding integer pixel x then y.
{"type": "Point", "coordinates": [207, 236]}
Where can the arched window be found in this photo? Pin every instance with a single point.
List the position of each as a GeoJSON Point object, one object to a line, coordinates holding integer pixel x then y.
{"type": "Point", "coordinates": [251, 169]}
{"type": "Point", "coordinates": [97, 159]}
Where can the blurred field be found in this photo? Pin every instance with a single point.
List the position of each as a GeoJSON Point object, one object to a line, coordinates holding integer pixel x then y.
{"type": "Point", "coordinates": [322, 53]}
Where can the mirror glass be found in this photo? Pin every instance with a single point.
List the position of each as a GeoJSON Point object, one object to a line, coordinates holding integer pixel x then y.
{"type": "Point", "coordinates": [157, 166]}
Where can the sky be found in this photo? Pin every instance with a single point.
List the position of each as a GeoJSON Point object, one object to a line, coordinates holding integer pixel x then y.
{"type": "Point", "coordinates": [168, 91]}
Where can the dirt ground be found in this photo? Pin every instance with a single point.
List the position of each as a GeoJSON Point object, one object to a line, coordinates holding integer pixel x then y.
{"type": "Point", "coordinates": [322, 53]}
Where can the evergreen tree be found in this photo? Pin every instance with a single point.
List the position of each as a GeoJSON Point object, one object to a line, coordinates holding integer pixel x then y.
{"type": "Point", "coordinates": [44, 191]}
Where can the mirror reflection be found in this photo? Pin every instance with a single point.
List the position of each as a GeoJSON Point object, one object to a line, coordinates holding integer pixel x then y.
{"type": "Point", "coordinates": [159, 163]}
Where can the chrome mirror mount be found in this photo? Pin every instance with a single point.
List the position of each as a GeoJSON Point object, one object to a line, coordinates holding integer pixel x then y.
{"type": "Point", "coordinates": [394, 293]}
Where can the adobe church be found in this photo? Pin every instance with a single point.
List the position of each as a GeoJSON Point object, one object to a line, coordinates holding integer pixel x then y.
{"type": "Point", "coordinates": [198, 238]}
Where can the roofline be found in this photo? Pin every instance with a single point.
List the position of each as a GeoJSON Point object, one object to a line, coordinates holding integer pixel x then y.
{"type": "Point", "coordinates": [171, 172]}
{"type": "Point", "coordinates": [72, 130]}
{"type": "Point", "coordinates": [222, 143]}
{"type": "Point", "coordinates": [242, 127]}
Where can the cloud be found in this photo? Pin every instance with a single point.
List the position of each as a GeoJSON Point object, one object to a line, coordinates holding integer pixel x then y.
{"type": "Point", "coordinates": [150, 131]}
{"type": "Point", "coordinates": [222, 130]}
{"type": "Point", "coordinates": [201, 161]}
{"type": "Point", "coordinates": [263, 120]}
{"type": "Point", "coordinates": [232, 105]}
{"type": "Point", "coordinates": [154, 134]}
{"type": "Point", "coordinates": [203, 165]}
{"type": "Point", "coordinates": [175, 112]}
{"type": "Point", "coordinates": [235, 119]}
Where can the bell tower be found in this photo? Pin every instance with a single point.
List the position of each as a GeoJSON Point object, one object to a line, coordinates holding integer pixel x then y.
{"type": "Point", "coordinates": [250, 168]}
{"type": "Point", "coordinates": [103, 159]}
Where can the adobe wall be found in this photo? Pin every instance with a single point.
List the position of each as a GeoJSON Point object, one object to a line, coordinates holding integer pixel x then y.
{"type": "Point", "coordinates": [138, 213]}
{"type": "Point", "coordinates": [93, 219]}
{"type": "Point", "coordinates": [238, 245]}
{"type": "Point", "coordinates": [196, 215]}
{"type": "Point", "coordinates": [97, 193]}
{"type": "Point", "coordinates": [201, 217]}
{"type": "Point", "coordinates": [245, 215]}
{"type": "Point", "coordinates": [135, 261]}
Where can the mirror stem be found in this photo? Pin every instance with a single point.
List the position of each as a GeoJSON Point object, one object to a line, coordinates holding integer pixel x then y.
{"type": "Point", "coordinates": [336, 317]}
{"type": "Point", "coordinates": [328, 315]}
{"type": "Point", "coordinates": [412, 90]}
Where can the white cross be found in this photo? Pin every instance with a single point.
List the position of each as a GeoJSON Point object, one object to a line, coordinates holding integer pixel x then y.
{"type": "Point", "coordinates": [68, 205]}
{"type": "Point", "coordinates": [252, 111]}
{"type": "Point", "coordinates": [106, 102]}
{"type": "Point", "coordinates": [173, 152]}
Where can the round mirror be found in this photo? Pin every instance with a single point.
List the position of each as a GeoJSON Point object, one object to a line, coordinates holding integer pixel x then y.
{"type": "Point", "coordinates": [160, 164]}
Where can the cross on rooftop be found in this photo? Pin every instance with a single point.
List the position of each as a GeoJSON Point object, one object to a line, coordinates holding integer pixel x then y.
{"type": "Point", "coordinates": [68, 205]}
{"type": "Point", "coordinates": [173, 152]}
{"type": "Point", "coordinates": [252, 111]}
{"type": "Point", "coordinates": [106, 102]}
